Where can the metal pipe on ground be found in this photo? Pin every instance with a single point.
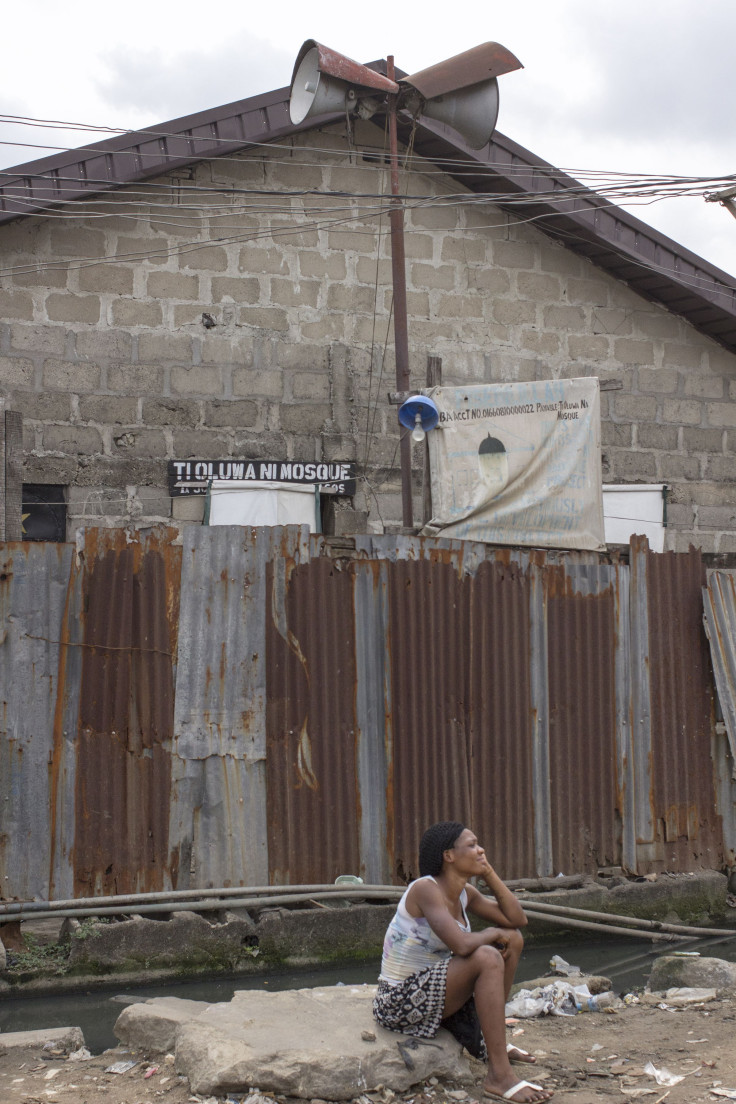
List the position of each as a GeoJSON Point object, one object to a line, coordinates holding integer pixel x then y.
{"type": "Point", "coordinates": [12, 908]}
{"type": "Point", "coordinates": [209, 905]}
{"type": "Point", "coordinates": [631, 921]}
{"type": "Point", "coordinates": [610, 929]}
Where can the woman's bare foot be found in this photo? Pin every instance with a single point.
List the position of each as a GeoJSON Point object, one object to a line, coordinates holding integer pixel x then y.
{"type": "Point", "coordinates": [516, 1054]}
{"type": "Point", "coordinates": [527, 1093]}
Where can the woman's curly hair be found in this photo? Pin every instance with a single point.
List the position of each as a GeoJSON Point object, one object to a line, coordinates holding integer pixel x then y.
{"type": "Point", "coordinates": [435, 841]}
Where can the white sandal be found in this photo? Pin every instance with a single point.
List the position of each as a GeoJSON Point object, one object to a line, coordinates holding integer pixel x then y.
{"type": "Point", "coordinates": [511, 1093]}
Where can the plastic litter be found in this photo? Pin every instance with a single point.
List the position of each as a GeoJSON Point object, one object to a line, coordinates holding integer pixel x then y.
{"type": "Point", "coordinates": [663, 1076]}
{"type": "Point", "coordinates": [559, 966]}
{"type": "Point", "coordinates": [81, 1055]}
{"type": "Point", "coordinates": [560, 998]}
{"type": "Point", "coordinates": [121, 1067]}
{"type": "Point", "coordinates": [681, 996]}
{"type": "Point", "coordinates": [730, 1094]}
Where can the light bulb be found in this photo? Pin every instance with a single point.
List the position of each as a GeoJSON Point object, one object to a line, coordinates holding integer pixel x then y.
{"type": "Point", "coordinates": [418, 434]}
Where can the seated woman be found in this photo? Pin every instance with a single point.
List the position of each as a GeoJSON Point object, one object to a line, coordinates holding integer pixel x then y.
{"type": "Point", "coordinates": [437, 973]}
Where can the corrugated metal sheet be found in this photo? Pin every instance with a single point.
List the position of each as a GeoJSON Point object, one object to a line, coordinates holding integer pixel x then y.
{"type": "Point", "coordinates": [34, 582]}
{"type": "Point", "coordinates": [130, 589]}
{"type": "Point", "coordinates": [688, 828]}
{"type": "Point", "coordinates": [265, 705]}
{"type": "Point", "coordinates": [311, 724]}
{"type": "Point", "coordinates": [719, 601]}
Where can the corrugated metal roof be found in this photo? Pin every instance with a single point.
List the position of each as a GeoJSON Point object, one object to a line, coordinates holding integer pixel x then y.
{"type": "Point", "coordinates": [653, 264]}
{"type": "Point", "coordinates": [719, 601]}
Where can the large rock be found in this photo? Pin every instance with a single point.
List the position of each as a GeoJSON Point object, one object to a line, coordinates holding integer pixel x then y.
{"type": "Point", "coordinates": [64, 1038]}
{"type": "Point", "coordinates": [151, 1026]}
{"type": "Point", "coordinates": [679, 971]}
{"type": "Point", "coordinates": [188, 938]}
{"type": "Point", "coordinates": [321, 1043]}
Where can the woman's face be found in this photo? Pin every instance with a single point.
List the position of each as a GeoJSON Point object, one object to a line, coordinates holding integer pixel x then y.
{"type": "Point", "coordinates": [468, 855]}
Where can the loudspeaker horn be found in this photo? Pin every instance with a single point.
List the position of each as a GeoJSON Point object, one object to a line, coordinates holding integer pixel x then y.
{"type": "Point", "coordinates": [325, 82]}
{"type": "Point", "coordinates": [462, 92]}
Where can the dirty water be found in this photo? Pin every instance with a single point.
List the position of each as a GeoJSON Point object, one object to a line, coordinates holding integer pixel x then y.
{"type": "Point", "coordinates": [627, 962]}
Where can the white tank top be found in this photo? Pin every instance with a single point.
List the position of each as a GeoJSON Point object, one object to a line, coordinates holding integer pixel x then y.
{"type": "Point", "coordinates": [411, 945]}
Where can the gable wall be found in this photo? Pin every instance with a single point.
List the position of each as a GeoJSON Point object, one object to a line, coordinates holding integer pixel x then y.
{"type": "Point", "coordinates": [106, 354]}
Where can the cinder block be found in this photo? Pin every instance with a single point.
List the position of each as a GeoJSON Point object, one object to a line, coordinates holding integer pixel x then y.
{"type": "Point", "coordinates": [490, 281]}
{"type": "Point", "coordinates": [720, 468]}
{"type": "Point", "coordinates": [310, 386]}
{"type": "Point", "coordinates": [265, 318]}
{"type": "Point", "coordinates": [662, 381]}
{"type": "Point", "coordinates": [514, 254]}
{"type": "Point", "coordinates": [296, 293]}
{"type": "Point", "coordinates": [568, 319]}
{"type": "Point", "coordinates": [442, 217]}
{"type": "Point", "coordinates": [460, 306]}
{"type": "Point", "coordinates": [616, 433]}
{"type": "Point", "coordinates": [720, 414]}
{"type": "Point", "coordinates": [629, 351]}
{"type": "Point", "coordinates": [62, 307]}
{"type": "Point", "coordinates": [535, 285]}
{"type": "Point", "coordinates": [212, 258]}
{"type": "Point", "coordinates": [714, 493]}
{"type": "Point", "coordinates": [704, 387]}
{"type": "Point", "coordinates": [588, 346]}
{"type": "Point", "coordinates": [540, 341]}
{"type": "Point", "coordinates": [331, 327]}
{"type": "Point", "coordinates": [329, 266]}
{"type": "Point", "coordinates": [115, 279]}
{"type": "Point", "coordinates": [359, 298]}
{"type": "Point", "coordinates": [231, 349]}
{"type": "Point", "coordinates": [254, 261]}
{"type": "Point", "coordinates": [636, 408]}
{"type": "Point", "coordinates": [76, 242]}
{"type": "Point", "coordinates": [717, 517]}
{"type": "Point", "coordinates": [305, 418]}
{"type": "Point", "coordinates": [135, 379]}
{"type": "Point", "coordinates": [170, 412]}
{"type": "Point", "coordinates": [365, 272]}
{"type": "Point", "coordinates": [136, 312]}
{"type": "Point", "coordinates": [466, 250]}
{"type": "Point", "coordinates": [139, 442]}
{"type": "Point", "coordinates": [75, 440]}
{"type": "Point", "coordinates": [235, 289]}
{"type": "Point", "coordinates": [38, 339]}
{"type": "Point", "coordinates": [190, 508]}
{"type": "Point", "coordinates": [67, 375]}
{"type": "Point", "coordinates": [202, 444]}
{"type": "Point", "coordinates": [617, 323]}
{"type": "Point", "coordinates": [682, 356]}
{"type": "Point", "coordinates": [108, 409]}
{"type": "Point", "coordinates": [653, 436]}
{"type": "Point", "coordinates": [38, 277]}
{"type": "Point", "coordinates": [703, 440]}
{"type": "Point", "coordinates": [233, 412]}
{"type": "Point", "coordinates": [17, 372]}
{"type": "Point", "coordinates": [202, 379]}
{"type": "Point", "coordinates": [658, 324]}
{"type": "Point", "coordinates": [513, 312]}
{"type": "Point", "coordinates": [157, 347]}
{"type": "Point", "coordinates": [684, 412]}
{"type": "Point", "coordinates": [42, 406]}
{"type": "Point", "coordinates": [589, 290]}
{"type": "Point", "coordinates": [103, 344]}
{"type": "Point", "coordinates": [561, 261]}
{"type": "Point", "coordinates": [16, 304]}
{"type": "Point", "coordinates": [172, 285]}
{"type": "Point", "coordinates": [268, 383]}
{"type": "Point", "coordinates": [672, 467]}
{"type": "Point", "coordinates": [418, 247]}
{"type": "Point", "coordinates": [631, 467]}
{"type": "Point", "coordinates": [358, 240]}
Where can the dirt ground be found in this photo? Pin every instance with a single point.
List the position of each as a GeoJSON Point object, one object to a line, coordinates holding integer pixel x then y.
{"type": "Point", "coordinates": [588, 1058]}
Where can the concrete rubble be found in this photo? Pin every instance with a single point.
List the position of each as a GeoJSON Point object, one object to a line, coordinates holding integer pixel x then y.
{"type": "Point", "coordinates": [677, 971]}
{"type": "Point", "coordinates": [311, 1043]}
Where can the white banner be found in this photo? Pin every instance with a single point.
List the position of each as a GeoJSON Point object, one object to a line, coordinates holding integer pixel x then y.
{"type": "Point", "coordinates": [518, 464]}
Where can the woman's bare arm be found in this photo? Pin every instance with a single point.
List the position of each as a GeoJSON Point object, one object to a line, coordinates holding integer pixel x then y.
{"type": "Point", "coordinates": [506, 912]}
{"type": "Point", "coordinates": [427, 897]}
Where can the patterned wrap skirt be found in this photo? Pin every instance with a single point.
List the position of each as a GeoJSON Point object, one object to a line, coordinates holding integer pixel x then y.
{"type": "Point", "coordinates": [415, 1007]}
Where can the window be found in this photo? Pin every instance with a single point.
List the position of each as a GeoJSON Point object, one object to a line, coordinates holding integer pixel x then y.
{"type": "Point", "coordinates": [44, 512]}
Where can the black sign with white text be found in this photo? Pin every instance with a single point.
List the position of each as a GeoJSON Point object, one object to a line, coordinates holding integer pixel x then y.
{"type": "Point", "coordinates": [190, 477]}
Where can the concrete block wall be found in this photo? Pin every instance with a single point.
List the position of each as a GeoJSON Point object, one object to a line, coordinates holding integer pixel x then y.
{"type": "Point", "coordinates": [107, 342]}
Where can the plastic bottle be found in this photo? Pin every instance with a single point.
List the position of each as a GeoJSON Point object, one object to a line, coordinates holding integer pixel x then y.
{"type": "Point", "coordinates": [603, 1001]}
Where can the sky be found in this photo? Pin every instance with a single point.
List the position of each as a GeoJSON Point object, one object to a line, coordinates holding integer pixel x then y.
{"type": "Point", "coordinates": [636, 86]}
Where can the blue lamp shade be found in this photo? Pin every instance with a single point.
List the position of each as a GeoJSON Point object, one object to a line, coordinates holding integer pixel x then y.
{"type": "Point", "coordinates": [424, 407]}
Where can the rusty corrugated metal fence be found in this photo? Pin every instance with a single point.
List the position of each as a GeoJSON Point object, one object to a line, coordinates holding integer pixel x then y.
{"type": "Point", "coordinates": [239, 706]}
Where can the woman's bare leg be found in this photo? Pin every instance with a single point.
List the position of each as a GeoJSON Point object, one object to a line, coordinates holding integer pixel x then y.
{"type": "Point", "coordinates": [481, 975]}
